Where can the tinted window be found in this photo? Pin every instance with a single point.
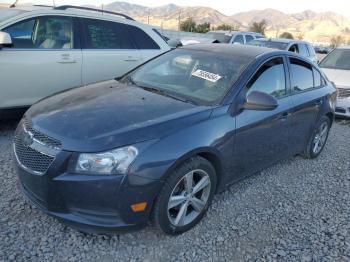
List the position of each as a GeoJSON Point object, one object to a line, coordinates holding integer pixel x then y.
{"type": "Point", "coordinates": [107, 35]}
{"type": "Point", "coordinates": [270, 79]}
{"type": "Point", "coordinates": [142, 40]}
{"type": "Point", "coordinates": [294, 49]}
{"type": "Point", "coordinates": [303, 50]}
{"type": "Point", "coordinates": [202, 77]}
{"type": "Point", "coordinates": [239, 39]}
{"type": "Point", "coordinates": [46, 32]}
{"type": "Point", "coordinates": [338, 59]}
{"type": "Point", "coordinates": [269, 44]}
{"type": "Point", "coordinates": [302, 75]}
{"type": "Point", "coordinates": [249, 38]}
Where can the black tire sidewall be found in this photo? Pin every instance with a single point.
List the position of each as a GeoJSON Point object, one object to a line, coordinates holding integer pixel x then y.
{"type": "Point", "coordinates": [162, 213]}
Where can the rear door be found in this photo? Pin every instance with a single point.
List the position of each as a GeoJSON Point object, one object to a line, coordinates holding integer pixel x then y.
{"type": "Point", "coordinates": [108, 50]}
{"type": "Point", "coordinates": [45, 58]}
{"type": "Point", "coordinates": [262, 137]}
{"type": "Point", "coordinates": [305, 81]}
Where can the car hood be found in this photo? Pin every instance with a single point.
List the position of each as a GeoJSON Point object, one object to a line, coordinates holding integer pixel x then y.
{"type": "Point", "coordinates": [108, 115]}
{"type": "Point", "coordinates": [338, 76]}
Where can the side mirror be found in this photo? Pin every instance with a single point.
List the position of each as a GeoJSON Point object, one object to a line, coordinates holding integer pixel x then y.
{"type": "Point", "coordinates": [5, 39]}
{"type": "Point", "coordinates": [260, 101]}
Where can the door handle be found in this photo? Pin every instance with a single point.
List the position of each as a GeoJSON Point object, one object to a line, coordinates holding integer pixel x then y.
{"type": "Point", "coordinates": [284, 116]}
{"type": "Point", "coordinates": [65, 59]}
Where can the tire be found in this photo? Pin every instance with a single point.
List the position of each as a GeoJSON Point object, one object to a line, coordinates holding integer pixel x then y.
{"type": "Point", "coordinates": [166, 213]}
{"type": "Point", "coordinates": [310, 151]}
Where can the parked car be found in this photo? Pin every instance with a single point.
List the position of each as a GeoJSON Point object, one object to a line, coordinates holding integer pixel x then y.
{"type": "Point", "coordinates": [233, 37]}
{"type": "Point", "coordinates": [48, 50]}
{"type": "Point", "coordinates": [302, 48]}
{"type": "Point", "coordinates": [336, 65]}
{"type": "Point", "coordinates": [160, 142]}
{"type": "Point", "coordinates": [174, 43]}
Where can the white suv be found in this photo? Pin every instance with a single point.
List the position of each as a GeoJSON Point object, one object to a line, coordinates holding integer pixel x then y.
{"type": "Point", "coordinates": [47, 50]}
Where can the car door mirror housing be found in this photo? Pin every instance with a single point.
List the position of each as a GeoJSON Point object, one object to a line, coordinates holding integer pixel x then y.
{"type": "Point", "coordinates": [260, 101]}
{"type": "Point", "coordinates": [5, 39]}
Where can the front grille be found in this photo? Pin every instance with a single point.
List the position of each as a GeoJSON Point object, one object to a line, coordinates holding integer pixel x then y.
{"type": "Point", "coordinates": [343, 92]}
{"type": "Point", "coordinates": [28, 156]}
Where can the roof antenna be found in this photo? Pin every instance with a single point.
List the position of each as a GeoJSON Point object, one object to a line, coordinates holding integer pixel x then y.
{"type": "Point", "coordinates": [14, 4]}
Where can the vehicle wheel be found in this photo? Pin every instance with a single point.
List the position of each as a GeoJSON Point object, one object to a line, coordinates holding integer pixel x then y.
{"type": "Point", "coordinates": [318, 138]}
{"type": "Point", "coordinates": [185, 197]}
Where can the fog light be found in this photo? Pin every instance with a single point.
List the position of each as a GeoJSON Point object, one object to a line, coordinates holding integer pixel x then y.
{"type": "Point", "coordinates": [138, 207]}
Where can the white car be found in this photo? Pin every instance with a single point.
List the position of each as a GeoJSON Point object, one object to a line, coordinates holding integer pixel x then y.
{"type": "Point", "coordinates": [233, 37]}
{"type": "Point", "coordinates": [336, 66]}
{"type": "Point", "coordinates": [47, 50]}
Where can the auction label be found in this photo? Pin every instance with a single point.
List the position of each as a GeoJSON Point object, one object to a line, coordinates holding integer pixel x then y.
{"type": "Point", "coordinates": [206, 75]}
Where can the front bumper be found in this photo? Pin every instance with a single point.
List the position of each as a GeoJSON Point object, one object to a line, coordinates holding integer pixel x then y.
{"type": "Point", "coordinates": [93, 204]}
{"type": "Point", "coordinates": [343, 107]}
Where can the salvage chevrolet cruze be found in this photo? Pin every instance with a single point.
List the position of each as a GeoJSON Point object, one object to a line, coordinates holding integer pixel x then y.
{"type": "Point", "coordinates": [156, 144]}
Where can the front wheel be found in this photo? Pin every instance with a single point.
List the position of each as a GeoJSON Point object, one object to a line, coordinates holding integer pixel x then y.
{"type": "Point", "coordinates": [185, 197]}
{"type": "Point", "coordinates": [318, 139]}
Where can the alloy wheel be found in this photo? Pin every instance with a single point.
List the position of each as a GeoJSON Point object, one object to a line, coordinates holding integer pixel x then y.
{"type": "Point", "coordinates": [320, 138]}
{"type": "Point", "coordinates": [189, 197]}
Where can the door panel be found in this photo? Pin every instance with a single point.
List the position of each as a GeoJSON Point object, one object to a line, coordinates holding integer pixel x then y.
{"type": "Point", "coordinates": [41, 61]}
{"type": "Point", "coordinates": [262, 137]}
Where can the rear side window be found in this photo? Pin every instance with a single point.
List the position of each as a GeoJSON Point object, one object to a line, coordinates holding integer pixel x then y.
{"type": "Point", "coordinates": [302, 75]}
{"type": "Point", "coordinates": [270, 79]}
{"type": "Point", "coordinates": [239, 39]}
{"type": "Point", "coordinates": [142, 40]}
{"type": "Point", "coordinates": [311, 50]}
{"type": "Point", "coordinates": [303, 50]}
{"type": "Point", "coordinates": [249, 38]}
{"type": "Point", "coordinates": [107, 35]}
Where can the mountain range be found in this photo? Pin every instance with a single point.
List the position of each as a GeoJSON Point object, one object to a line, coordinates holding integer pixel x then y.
{"type": "Point", "coordinates": [312, 26]}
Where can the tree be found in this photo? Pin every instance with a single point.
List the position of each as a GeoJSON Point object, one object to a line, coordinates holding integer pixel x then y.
{"type": "Point", "coordinates": [300, 36]}
{"type": "Point", "coordinates": [189, 25]}
{"type": "Point", "coordinates": [337, 41]}
{"type": "Point", "coordinates": [286, 35]}
{"type": "Point", "coordinates": [258, 27]}
{"type": "Point", "coordinates": [227, 27]}
{"type": "Point", "coordinates": [203, 28]}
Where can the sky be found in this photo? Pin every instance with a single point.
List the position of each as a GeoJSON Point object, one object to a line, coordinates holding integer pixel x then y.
{"type": "Point", "coordinates": [225, 6]}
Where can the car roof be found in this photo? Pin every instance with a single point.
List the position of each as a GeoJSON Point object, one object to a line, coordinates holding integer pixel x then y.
{"type": "Point", "coordinates": [344, 47]}
{"type": "Point", "coordinates": [232, 50]}
{"type": "Point", "coordinates": [281, 40]}
{"type": "Point", "coordinates": [228, 32]}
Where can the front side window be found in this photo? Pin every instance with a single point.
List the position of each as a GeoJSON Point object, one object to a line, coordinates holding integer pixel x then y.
{"type": "Point", "coordinates": [302, 75]}
{"type": "Point", "coordinates": [198, 76]}
{"type": "Point", "coordinates": [141, 39]}
{"type": "Point", "coordinates": [337, 59]}
{"type": "Point", "coordinates": [239, 39]}
{"type": "Point", "coordinates": [102, 34]}
{"type": "Point", "coordinates": [45, 32]}
{"type": "Point", "coordinates": [249, 38]}
{"type": "Point", "coordinates": [270, 79]}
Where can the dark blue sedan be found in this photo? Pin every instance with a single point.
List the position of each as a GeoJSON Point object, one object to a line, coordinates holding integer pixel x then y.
{"type": "Point", "coordinates": [158, 143]}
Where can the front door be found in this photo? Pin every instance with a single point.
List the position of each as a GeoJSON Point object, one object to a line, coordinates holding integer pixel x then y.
{"type": "Point", "coordinates": [262, 137]}
{"type": "Point", "coordinates": [41, 62]}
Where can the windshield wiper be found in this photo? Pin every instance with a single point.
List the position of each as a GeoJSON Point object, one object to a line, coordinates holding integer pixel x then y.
{"type": "Point", "coordinates": [161, 92]}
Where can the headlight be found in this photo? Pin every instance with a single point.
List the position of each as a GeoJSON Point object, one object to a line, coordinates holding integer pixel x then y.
{"type": "Point", "coordinates": [112, 162]}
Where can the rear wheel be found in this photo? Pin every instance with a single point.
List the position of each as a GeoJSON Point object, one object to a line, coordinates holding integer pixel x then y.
{"type": "Point", "coordinates": [318, 139]}
{"type": "Point", "coordinates": [185, 196]}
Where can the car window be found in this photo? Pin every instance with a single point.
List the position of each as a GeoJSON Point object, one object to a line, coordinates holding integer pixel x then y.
{"type": "Point", "coordinates": [311, 50]}
{"type": "Point", "coordinates": [102, 34]}
{"type": "Point", "coordinates": [337, 59]}
{"type": "Point", "coordinates": [302, 75]}
{"type": "Point", "coordinates": [303, 50]}
{"type": "Point", "coordinates": [270, 79]}
{"type": "Point", "coordinates": [318, 78]}
{"type": "Point", "coordinates": [141, 39]}
{"type": "Point", "coordinates": [294, 48]}
{"type": "Point", "coordinates": [238, 39]}
{"type": "Point", "coordinates": [198, 76]}
{"type": "Point", "coordinates": [45, 32]}
{"type": "Point", "coordinates": [249, 38]}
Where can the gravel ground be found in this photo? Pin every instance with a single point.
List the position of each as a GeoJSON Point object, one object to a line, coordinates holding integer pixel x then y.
{"type": "Point", "coordinates": [297, 210]}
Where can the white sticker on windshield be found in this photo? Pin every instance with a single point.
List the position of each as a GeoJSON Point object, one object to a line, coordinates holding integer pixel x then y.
{"type": "Point", "coordinates": [206, 75]}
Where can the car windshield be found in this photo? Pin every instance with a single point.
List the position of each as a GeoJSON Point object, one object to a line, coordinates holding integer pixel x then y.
{"type": "Point", "coordinates": [8, 13]}
{"type": "Point", "coordinates": [196, 76]}
{"type": "Point", "coordinates": [221, 37]}
{"type": "Point", "coordinates": [337, 59]}
{"type": "Point", "coordinates": [269, 44]}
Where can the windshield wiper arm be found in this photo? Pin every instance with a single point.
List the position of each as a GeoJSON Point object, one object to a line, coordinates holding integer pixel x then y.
{"type": "Point", "coordinates": [161, 92]}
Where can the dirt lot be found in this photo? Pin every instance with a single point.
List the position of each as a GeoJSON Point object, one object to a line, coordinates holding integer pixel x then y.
{"type": "Point", "coordinates": [297, 210]}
